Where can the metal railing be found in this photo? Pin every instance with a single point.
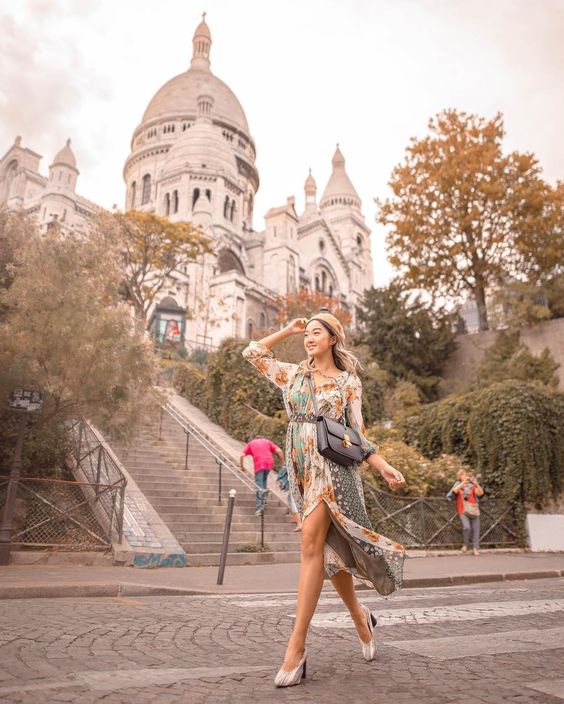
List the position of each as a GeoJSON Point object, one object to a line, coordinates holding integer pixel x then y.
{"type": "Point", "coordinates": [61, 514]}
{"type": "Point", "coordinates": [432, 522]}
{"type": "Point", "coordinates": [96, 463]}
{"type": "Point", "coordinates": [223, 461]}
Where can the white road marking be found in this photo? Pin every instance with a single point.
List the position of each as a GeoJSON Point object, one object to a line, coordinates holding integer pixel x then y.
{"type": "Point", "coordinates": [377, 601]}
{"type": "Point", "coordinates": [453, 647]}
{"type": "Point", "coordinates": [111, 680]}
{"type": "Point", "coordinates": [554, 687]}
{"type": "Point", "coordinates": [440, 614]}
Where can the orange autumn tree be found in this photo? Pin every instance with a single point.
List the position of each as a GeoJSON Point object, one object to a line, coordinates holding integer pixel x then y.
{"type": "Point", "coordinates": [464, 216]}
{"type": "Point", "coordinates": [149, 248]}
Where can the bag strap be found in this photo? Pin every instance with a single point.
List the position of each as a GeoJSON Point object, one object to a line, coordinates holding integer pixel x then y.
{"type": "Point", "coordinates": [316, 408]}
{"type": "Point", "coordinates": [312, 391]}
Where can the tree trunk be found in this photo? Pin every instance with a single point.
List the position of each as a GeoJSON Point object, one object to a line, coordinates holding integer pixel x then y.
{"type": "Point", "coordinates": [480, 295]}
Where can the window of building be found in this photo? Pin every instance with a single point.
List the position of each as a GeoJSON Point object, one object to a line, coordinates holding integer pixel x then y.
{"type": "Point", "coordinates": [167, 204]}
{"type": "Point", "coordinates": [208, 194]}
{"type": "Point", "coordinates": [359, 241]}
{"type": "Point", "coordinates": [262, 321]}
{"type": "Point", "coordinates": [195, 196]}
{"type": "Point", "coordinates": [232, 210]}
{"type": "Point", "coordinates": [175, 201]}
{"type": "Point", "coordinates": [226, 207]}
{"type": "Point", "coordinates": [250, 328]}
{"type": "Point", "coordinates": [133, 194]}
{"type": "Point", "coordinates": [146, 190]}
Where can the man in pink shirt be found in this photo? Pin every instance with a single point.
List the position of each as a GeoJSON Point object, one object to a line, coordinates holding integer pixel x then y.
{"type": "Point", "coordinates": [262, 451]}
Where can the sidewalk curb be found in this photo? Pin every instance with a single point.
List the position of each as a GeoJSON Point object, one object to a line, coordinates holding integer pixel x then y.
{"type": "Point", "coordinates": [128, 589]}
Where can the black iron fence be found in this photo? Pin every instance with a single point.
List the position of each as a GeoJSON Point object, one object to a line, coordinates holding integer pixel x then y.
{"type": "Point", "coordinates": [432, 522]}
{"type": "Point", "coordinates": [85, 514]}
{"type": "Point", "coordinates": [53, 513]}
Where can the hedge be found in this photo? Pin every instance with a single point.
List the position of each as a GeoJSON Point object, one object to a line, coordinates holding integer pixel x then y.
{"type": "Point", "coordinates": [510, 432]}
{"type": "Point", "coordinates": [233, 395]}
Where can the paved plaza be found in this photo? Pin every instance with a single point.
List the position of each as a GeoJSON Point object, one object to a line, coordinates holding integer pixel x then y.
{"type": "Point", "coordinates": [486, 643]}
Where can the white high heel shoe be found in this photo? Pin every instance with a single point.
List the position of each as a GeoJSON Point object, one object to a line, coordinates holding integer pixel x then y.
{"type": "Point", "coordinates": [289, 679]}
{"type": "Point", "coordinates": [369, 649]}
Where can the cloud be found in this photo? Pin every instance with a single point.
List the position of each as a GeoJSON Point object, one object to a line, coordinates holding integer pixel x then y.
{"type": "Point", "coordinates": [44, 79]}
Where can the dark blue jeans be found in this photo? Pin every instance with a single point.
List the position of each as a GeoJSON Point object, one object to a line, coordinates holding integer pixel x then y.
{"type": "Point", "coordinates": [261, 478]}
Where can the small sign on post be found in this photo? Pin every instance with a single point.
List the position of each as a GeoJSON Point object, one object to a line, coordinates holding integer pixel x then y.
{"type": "Point", "coordinates": [26, 401]}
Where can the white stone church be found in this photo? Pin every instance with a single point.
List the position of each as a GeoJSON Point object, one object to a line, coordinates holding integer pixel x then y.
{"type": "Point", "coordinates": [193, 159]}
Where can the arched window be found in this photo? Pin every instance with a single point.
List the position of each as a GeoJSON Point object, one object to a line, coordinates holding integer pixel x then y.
{"type": "Point", "coordinates": [146, 191]}
{"type": "Point", "coordinates": [175, 201]}
{"type": "Point", "coordinates": [226, 207]}
{"type": "Point", "coordinates": [195, 196]}
{"type": "Point", "coordinates": [262, 321]}
{"type": "Point", "coordinates": [317, 284]}
{"type": "Point", "coordinates": [229, 261]}
{"type": "Point", "coordinates": [232, 210]}
{"type": "Point", "coordinates": [133, 194]}
{"type": "Point", "coordinates": [208, 194]}
{"type": "Point", "coordinates": [250, 328]}
{"type": "Point", "coordinates": [167, 204]}
{"type": "Point", "coordinates": [323, 281]}
{"type": "Point", "coordinates": [359, 241]}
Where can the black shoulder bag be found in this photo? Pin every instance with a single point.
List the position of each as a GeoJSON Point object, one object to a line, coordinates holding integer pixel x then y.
{"type": "Point", "coordinates": [335, 441]}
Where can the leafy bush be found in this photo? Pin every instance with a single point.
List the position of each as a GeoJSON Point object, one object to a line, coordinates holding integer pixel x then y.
{"type": "Point", "coordinates": [423, 477]}
{"type": "Point", "coordinates": [233, 395]}
{"type": "Point", "coordinates": [510, 432]}
{"type": "Point", "coordinates": [45, 451]}
{"type": "Point", "coordinates": [509, 358]}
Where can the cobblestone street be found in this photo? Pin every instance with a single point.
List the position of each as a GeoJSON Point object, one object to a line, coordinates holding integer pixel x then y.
{"type": "Point", "coordinates": [489, 643]}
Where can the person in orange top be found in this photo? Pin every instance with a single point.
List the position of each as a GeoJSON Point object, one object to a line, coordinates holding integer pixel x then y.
{"type": "Point", "coordinates": [466, 490]}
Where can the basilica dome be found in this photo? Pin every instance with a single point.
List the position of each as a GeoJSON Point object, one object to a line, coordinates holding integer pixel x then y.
{"type": "Point", "coordinates": [200, 148]}
{"type": "Point", "coordinates": [178, 97]}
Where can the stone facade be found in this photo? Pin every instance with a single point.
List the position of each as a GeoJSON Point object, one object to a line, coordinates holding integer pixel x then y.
{"type": "Point", "coordinates": [193, 159]}
{"type": "Point", "coordinates": [50, 197]}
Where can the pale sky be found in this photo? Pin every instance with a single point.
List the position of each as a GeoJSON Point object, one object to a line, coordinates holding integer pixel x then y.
{"type": "Point", "coordinates": [309, 73]}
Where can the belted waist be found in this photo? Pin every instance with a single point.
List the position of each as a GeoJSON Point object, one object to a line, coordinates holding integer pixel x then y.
{"type": "Point", "coordinates": [301, 418]}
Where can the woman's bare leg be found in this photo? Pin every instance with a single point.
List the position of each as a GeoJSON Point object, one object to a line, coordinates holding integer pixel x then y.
{"type": "Point", "coordinates": [343, 583]}
{"type": "Point", "coordinates": [314, 533]}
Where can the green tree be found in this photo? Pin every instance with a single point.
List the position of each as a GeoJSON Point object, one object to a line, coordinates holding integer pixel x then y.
{"type": "Point", "coordinates": [65, 330]}
{"type": "Point", "coordinates": [464, 216]}
{"type": "Point", "coordinates": [510, 358]}
{"type": "Point", "coordinates": [405, 336]}
{"type": "Point", "coordinates": [149, 249]}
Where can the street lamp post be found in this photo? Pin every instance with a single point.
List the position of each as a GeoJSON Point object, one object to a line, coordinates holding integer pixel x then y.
{"type": "Point", "coordinates": [24, 402]}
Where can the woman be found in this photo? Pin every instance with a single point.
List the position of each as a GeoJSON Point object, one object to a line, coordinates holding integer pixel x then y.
{"type": "Point", "coordinates": [336, 531]}
{"type": "Point", "coordinates": [466, 491]}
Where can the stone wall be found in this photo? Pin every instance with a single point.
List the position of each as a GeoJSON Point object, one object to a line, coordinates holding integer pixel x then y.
{"type": "Point", "coordinates": [461, 366]}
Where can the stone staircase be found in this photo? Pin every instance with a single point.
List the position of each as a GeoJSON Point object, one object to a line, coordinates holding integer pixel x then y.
{"type": "Point", "coordinates": [187, 500]}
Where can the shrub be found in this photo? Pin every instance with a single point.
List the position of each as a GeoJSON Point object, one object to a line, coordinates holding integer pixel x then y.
{"type": "Point", "coordinates": [423, 477]}
{"type": "Point", "coordinates": [511, 432]}
{"type": "Point", "coordinates": [45, 451]}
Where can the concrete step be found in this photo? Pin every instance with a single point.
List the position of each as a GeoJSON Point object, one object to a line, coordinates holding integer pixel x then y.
{"type": "Point", "coordinates": [192, 546]}
{"type": "Point", "coordinates": [237, 536]}
{"type": "Point", "coordinates": [242, 558]}
{"type": "Point", "coordinates": [242, 522]}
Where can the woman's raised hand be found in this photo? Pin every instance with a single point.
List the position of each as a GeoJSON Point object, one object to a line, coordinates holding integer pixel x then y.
{"type": "Point", "coordinates": [297, 326]}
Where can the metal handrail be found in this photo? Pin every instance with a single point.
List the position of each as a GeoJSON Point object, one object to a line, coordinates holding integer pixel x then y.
{"type": "Point", "coordinates": [209, 445]}
{"type": "Point", "coordinates": [87, 442]}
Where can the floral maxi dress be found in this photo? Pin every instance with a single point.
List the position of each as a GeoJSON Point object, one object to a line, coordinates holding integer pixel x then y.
{"type": "Point", "coordinates": [351, 543]}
